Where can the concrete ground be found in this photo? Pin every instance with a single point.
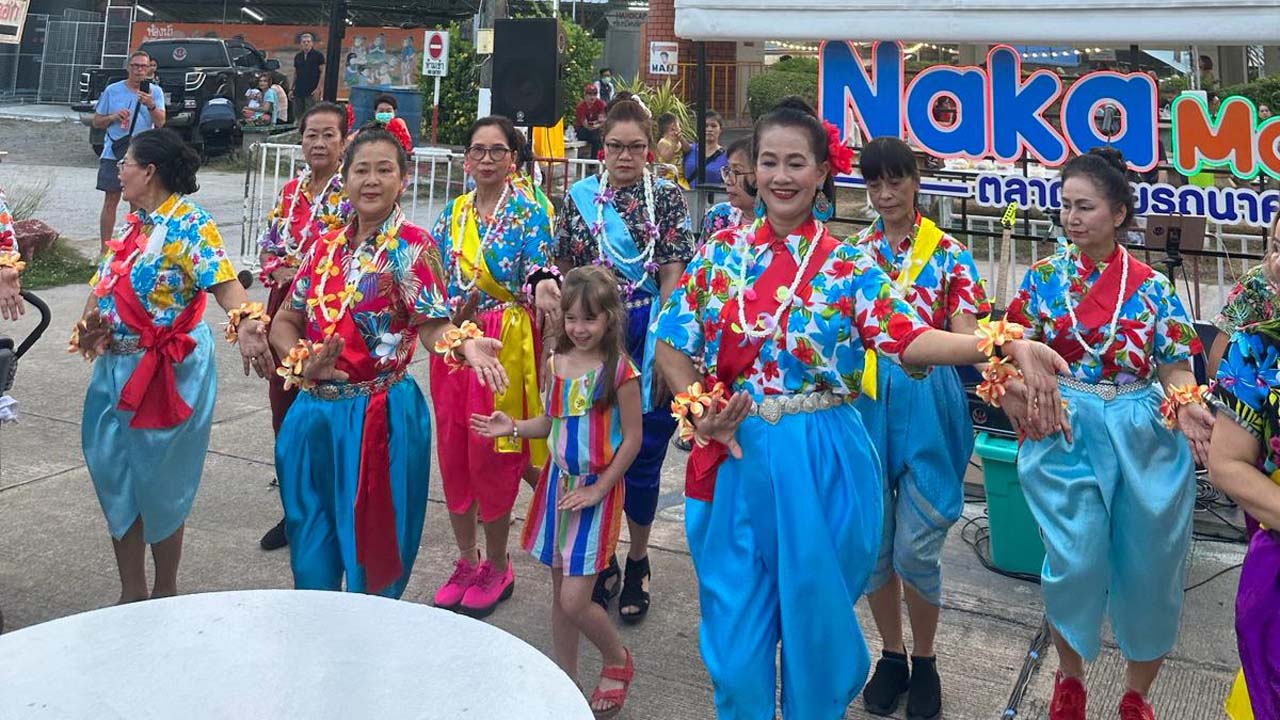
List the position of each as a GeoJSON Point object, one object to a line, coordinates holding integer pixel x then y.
{"type": "Point", "coordinates": [56, 559]}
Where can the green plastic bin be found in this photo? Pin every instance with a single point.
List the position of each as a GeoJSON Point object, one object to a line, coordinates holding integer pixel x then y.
{"type": "Point", "coordinates": [1015, 535]}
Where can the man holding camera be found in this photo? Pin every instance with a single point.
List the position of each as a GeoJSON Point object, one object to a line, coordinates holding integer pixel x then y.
{"type": "Point", "coordinates": [126, 108]}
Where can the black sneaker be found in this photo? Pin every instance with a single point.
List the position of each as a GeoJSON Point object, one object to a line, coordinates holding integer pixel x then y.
{"type": "Point", "coordinates": [890, 680]}
{"type": "Point", "coordinates": [924, 699]}
{"type": "Point", "coordinates": [275, 538]}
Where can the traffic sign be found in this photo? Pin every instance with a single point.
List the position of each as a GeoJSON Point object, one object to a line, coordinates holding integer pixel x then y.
{"type": "Point", "coordinates": [435, 60]}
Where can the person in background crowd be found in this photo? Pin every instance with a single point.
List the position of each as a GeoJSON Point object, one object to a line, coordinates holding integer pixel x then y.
{"type": "Point", "coordinates": [309, 206]}
{"type": "Point", "coordinates": [306, 74]}
{"type": "Point", "coordinates": [784, 491]}
{"type": "Point", "coordinates": [148, 410]}
{"type": "Point", "coordinates": [123, 110]}
{"type": "Point", "coordinates": [1244, 462]}
{"type": "Point", "coordinates": [605, 85]}
{"type": "Point", "coordinates": [1123, 474]}
{"type": "Point", "coordinates": [11, 265]}
{"type": "Point", "coordinates": [672, 147]}
{"type": "Point", "coordinates": [494, 242]}
{"type": "Point", "coordinates": [739, 178]}
{"type": "Point", "coordinates": [920, 428]}
{"type": "Point", "coordinates": [153, 70]}
{"type": "Point", "coordinates": [711, 147]}
{"type": "Point", "coordinates": [1207, 79]}
{"type": "Point", "coordinates": [1264, 112]}
{"type": "Point", "coordinates": [638, 226]}
{"type": "Point", "coordinates": [267, 111]}
{"type": "Point", "coordinates": [354, 451]}
{"type": "Point", "coordinates": [588, 117]}
{"type": "Point", "coordinates": [384, 108]}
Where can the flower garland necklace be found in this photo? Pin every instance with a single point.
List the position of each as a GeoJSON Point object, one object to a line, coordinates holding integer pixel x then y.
{"type": "Point", "coordinates": [286, 229]}
{"type": "Point", "coordinates": [645, 256]}
{"type": "Point", "coordinates": [117, 268]}
{"type": "Point", "coordinates": [768, 324]}
{"type": "Point", "coordinates": [353, 269]}
{"type": "Point", "coordinates": [1115, 316]}
{"type": "Point", "coordinates": [497, 225]}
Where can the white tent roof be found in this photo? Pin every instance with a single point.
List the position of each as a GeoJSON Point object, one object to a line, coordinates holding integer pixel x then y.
{"type": "Point", "coordinates": [1096, 22]}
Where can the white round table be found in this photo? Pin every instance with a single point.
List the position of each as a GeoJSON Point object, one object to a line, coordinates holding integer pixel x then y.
{"type": "Point", "coordinates": [276, 654]}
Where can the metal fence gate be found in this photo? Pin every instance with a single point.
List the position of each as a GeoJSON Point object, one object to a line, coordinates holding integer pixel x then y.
{"type": "Point", "coordinates": [70, 48]}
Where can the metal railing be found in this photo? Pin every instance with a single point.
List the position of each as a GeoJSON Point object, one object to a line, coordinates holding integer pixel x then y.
{"type": "Point", "coordinates": [435, 176]}
{"type": "Point", "coordinates": [726, 86]}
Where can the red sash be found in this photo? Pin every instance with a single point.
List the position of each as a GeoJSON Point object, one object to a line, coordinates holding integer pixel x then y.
{"type": "Point", "coordinates": [1096, 307]}
{"type": "Point", "coordinates": [152, 390]}
{"type": "Point", "coordinates": [738, 351]}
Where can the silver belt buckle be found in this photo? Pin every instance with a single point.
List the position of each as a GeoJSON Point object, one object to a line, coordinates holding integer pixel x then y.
{"type": "Point", "coordinates": [1108, 391]}
{"type": "Point", "coordinates": [770, 411]}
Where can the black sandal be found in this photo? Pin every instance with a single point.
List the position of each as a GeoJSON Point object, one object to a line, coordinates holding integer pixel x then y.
{"type": "Point", "coordinates": [608, 583]}
{"type": "Point", "coordinates": [633, 593]}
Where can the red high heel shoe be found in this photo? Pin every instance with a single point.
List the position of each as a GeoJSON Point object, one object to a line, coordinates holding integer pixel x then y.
{"type": "Point", "coordinates": [617, 696]}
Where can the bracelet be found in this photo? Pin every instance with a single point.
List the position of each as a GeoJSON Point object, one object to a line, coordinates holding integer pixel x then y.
{"type": "Point", "coordinates": [998, 373]}
{"type": "Point", "coordinates": [450, 345]}
{"type": "Point", "coordinates": [693, 403]}
{"type": "Point", "coordinates": [993, 335]}
{"type": "Point", "coordinates": [293, 364]}
{"type": "Point", "coordinates": [1180, 395]}
{"type": "Point", "coordinates": [73, 345]}
{"type": "Point", "coordinates": [12, 260]}
{"type": "Point", "coordinates": [246, 311]}
{"type": "Point", "coordinates": [515, 429]}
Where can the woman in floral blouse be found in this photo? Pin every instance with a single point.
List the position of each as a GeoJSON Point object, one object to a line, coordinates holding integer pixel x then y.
{"type": "Point", "coordinates": [739, 185]}
{"type": "Point", "coordinates": [352, 454]}
{"type": "Point", "coordinates": [637, 226]}
{"type": "Point", "coordinates": [1124, 479]}
{"type": "Point", "coordinates": [148, 411]}
{"type": "Point", "coordinates": [920, 428]}
{"type": "Point", "coordinates": [1244, 462]}
{"type": "Point", "coordinates": [1252, 300]}
{"type": "Point", "coordinates": [309, 206]}
{"type": "Point", "coordinates": [782, 314]}
{"type": "Point", "coordinates": [494, 241]}
{"type": "Point", "coordinates": [11, 265]}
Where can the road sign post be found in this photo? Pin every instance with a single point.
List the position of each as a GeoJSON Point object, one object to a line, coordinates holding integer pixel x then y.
{"type": "Point", "coordinates": [435, 63]}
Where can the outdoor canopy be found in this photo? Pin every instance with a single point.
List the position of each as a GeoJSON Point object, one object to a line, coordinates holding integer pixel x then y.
{"type": "Point", "coordinates": [1115, 22]}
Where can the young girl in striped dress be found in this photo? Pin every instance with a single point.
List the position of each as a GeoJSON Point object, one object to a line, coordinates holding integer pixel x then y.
{"type": "Point", "coordinates": [594, 423]}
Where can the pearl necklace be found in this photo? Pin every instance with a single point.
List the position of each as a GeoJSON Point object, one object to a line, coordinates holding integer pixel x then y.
{"type": "Point", "coordinates": [286, 228]}
{"type": "Point", "coordinates": [645, 256]}
{"type": "Point", "coordinates": [497, 223]}
{"type": "Point", "coordinates": [770, 326]}
{"type": "Point", "coordinates": [353, 269]}
{"type": "Point", "coordinates": [1115, 316]}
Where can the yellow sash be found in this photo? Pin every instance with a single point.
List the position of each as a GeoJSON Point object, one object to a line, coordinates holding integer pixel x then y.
{"type": "Point", "coordinates": [521, 400]}
{"type": "Point", "coordinates": [1238, 706]}
{"type": "Point", "coordinates": [928, 235]}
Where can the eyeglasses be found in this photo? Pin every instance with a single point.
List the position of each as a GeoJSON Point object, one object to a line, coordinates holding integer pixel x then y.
{"type": "Point", "coordinates": [121, 163]}
{"type": "Point", "coordinates": [732, 177]}
{"type": "Point", "coordinates": [142, 66]}
{"type": "Point", "coordinates": [497, 152]}
{"type": "Point", "coordinates": [617, 148]}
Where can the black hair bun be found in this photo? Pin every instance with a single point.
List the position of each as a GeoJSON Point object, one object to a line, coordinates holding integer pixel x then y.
{"type": "Point", "coordinates": [797, 103]}
{"type": "Point", "coordinates": [1112, 156]}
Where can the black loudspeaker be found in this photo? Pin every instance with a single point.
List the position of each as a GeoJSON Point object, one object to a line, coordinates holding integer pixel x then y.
{"type": "Point", "coordinates": [527, 59]}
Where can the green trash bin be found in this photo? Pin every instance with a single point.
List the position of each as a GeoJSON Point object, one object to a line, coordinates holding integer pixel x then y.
{"type": "Point", "coordinates": [1014, 533]}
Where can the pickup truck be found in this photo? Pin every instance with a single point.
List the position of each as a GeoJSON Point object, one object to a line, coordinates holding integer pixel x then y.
{"type": "Point", "coordinates": [191, 71]}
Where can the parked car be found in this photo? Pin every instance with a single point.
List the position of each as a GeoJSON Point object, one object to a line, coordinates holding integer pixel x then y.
{"type": "Point", "coordinates": [191, 72]}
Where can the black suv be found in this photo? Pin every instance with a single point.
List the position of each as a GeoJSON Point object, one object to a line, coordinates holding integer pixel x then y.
{"type": "Point", "coordinates": [191, 71]}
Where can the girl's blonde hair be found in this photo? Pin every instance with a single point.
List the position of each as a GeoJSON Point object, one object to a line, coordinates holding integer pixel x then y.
{"type": "Point", "coordinates": [596, 290]}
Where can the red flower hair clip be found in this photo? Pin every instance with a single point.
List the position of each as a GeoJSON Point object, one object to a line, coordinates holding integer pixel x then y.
{"type": "Point", "coordinates": [840, 155]}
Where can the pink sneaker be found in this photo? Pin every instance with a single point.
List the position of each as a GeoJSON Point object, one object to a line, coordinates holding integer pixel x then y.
{"type": "Point", "coordinates": [488, 590]}
{"type": "Point", "coordinates": [449, 596]}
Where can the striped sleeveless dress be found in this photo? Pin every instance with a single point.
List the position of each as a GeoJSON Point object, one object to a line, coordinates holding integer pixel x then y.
{"type": "Point", "coordinates": [582, 442]}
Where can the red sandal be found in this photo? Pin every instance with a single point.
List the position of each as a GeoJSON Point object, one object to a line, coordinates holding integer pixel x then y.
{"type": "Point", "coordinates": [617, 696]}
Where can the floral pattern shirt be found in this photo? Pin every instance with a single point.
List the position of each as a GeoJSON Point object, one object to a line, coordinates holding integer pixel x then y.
{"type": "Point", "coordinates": [1248, 387]}
{"type": "Point", "coordinates": [399, 291]}
{"type": "Point", "coordinates": [848, 308]}
{"type": "Point", "coordinates": [1252, 300]}
{"type": "Point", "coordinates": [577, 246]}
{"type": "Point", "coordinates": [1154, 328]}
{"type": "Point", "coordinates": [519, 248]}
{"type": "Point", "coordinates": [189, 260]}
{"type": "Point", "coordinates": [946, 286]}
{"type": "Point", "coordinates": [8, 238]}
{"type": "Point", "coordinates": [284, 241]}
{"type": "Point", "coordinates": [720, 216]}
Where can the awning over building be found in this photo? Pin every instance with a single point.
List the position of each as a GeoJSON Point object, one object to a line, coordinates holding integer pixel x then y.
{"type": "Point", "coordinates": [1032, 22]}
